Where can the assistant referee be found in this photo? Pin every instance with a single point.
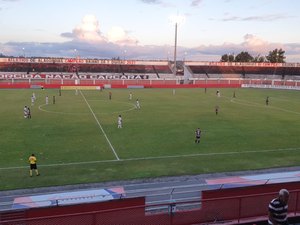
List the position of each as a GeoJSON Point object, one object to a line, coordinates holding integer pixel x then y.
{"type": "Point", "coordinates": [32, 161]}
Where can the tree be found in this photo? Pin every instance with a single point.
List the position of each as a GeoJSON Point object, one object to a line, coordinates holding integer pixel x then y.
{"type": "Point", "coordinates": [231, 58]}
{"type": "Point", "coordinates": [227, 58]}
{"type": "Point", "coordinates": [259, 59]}
{"type": "Point", "coordinates": [244, 57]}
{"type": "Point", "coordinates": [276, 56]}
{"type": "Point", "coordinates": [224, 58]}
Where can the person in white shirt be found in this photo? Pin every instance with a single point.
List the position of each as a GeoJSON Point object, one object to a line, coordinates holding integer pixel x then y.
{"type": "Point", "coordinates": [119, 121]}
{"type": "Point", "coordinates": [47, 100]}
{"type": "Point", "coordinates": [32, 100]}
{"type": "Point", "coordinates": [137, 105]}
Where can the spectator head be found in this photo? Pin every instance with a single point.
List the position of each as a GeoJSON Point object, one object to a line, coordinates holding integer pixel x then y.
{"type": "Point", "coordinates": [284, 196]}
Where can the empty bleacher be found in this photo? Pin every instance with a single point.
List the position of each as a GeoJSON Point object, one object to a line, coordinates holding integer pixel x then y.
{"type": "Point", "coordinates": [231, 76]}
{"type": "Point", "coordinates": [291, 77]}
{"type": "Point", "coordinates": [154, 69]}
{"type": "Point", "coordinates": [240, 70]}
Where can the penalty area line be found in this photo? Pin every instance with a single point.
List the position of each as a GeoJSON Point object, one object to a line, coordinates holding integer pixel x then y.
{"type": "Point", "coordinates": [155, 158]}
{"type": "Point", "coordinates": [108, 141]}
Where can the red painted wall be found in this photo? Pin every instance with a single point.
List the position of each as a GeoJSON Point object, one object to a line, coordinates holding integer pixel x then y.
{"type": "Point", "coordinates": [244, 203]}
{"type": "Point", "coordinates": [121, 84]}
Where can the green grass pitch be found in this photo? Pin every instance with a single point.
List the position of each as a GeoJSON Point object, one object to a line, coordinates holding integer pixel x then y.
{"type": "Point", "coordinates": [76, 140]}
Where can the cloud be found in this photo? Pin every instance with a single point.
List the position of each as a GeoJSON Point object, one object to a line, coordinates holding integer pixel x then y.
{"type": "Point", "coordinates": [251, 43]}
{"type": "Point", "coordinates": [161, 3]}
{"type": "Point", "coordinates": [151, 1]}
{"type": "Point", "coordinates": [119, 36]}
{"type": "Point", "coordinates": [109, 49]}
{"type": "Point", "coordinates": [87, 30]}
{"type": "Point", "coordinates": [68, 35]}
{"type": "Point", "coordinates": [264, 18]}
{"type": "Point", "coordinates": [170, 4]}
{"type": "Point", "coordinates": [251, 40]}
{"type": "Point", "coordinates": [196, 3]}
{"type": "Point", "coordinates": [90, 42]}
{"type": "Point", "coordinates": [86, 38]}
{"type": "Point", "coordinates": [293, 48]}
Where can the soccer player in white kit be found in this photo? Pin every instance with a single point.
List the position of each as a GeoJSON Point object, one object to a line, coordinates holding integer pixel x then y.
{"type": "Point", "coordinates": [119, 121]}
{"type": "Point", "coordinates": [130, 96]}
{"type": "Point", "coordinates": [137, 104]}
{"type": "Point", "coordinates": [32, 100]}
{"type": "Point", "coordinates": [47, 100]}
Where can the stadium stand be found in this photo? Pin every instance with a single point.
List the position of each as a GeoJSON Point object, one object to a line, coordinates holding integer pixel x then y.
{"type": "Point", "coordinates": [156, 71]}
{"type": "Point", "coordinates": [240, 70]}
{"type": "Point", "coordinates": [54, 72]}
{"type": "Point", "coordinates": [117, 67]}
{"type": "Point", "coordinates": [292, 77]}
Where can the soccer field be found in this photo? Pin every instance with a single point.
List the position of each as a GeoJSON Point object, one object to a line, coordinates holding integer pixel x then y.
{"type": "Point", "coordinates": [76, 140]}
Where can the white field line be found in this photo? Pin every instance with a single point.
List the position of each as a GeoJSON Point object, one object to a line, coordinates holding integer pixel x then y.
{"type": "Point", "coordinates": [253, 104]}
{"type": "Point", "coordinates": [285, 110]}
{"type": "Point", "coordinates": [157, 158]}
{"type": "Point", "coordinates": [112, 148]}
{"type": "Point", "coordinates": [63, 113]}
{"type": "Point", "coordinates": [72, 113]}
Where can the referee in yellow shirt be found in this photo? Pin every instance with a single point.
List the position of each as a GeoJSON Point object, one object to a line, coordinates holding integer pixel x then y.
{"type": "Point", "coordinates": [32, 160]}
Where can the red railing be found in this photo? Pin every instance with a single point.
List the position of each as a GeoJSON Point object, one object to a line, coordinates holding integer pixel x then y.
{"type": "Point", "coordinates": [232, 209]}
{"type": "Point", "coordinates": [148, 83]}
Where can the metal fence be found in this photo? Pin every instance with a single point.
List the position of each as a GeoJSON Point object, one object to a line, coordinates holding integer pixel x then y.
{"type": "Point", "coordinates": [234, 209]}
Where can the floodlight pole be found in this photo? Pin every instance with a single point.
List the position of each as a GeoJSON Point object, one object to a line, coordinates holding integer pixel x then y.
{"type": "Point", "coordinates": [75, 53]}
{"type": "Point", "coordinates": [175, 50]}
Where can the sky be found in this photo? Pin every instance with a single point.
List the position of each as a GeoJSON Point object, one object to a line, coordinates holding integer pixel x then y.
{"type": "Point", "coordinates": [145, 29]}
